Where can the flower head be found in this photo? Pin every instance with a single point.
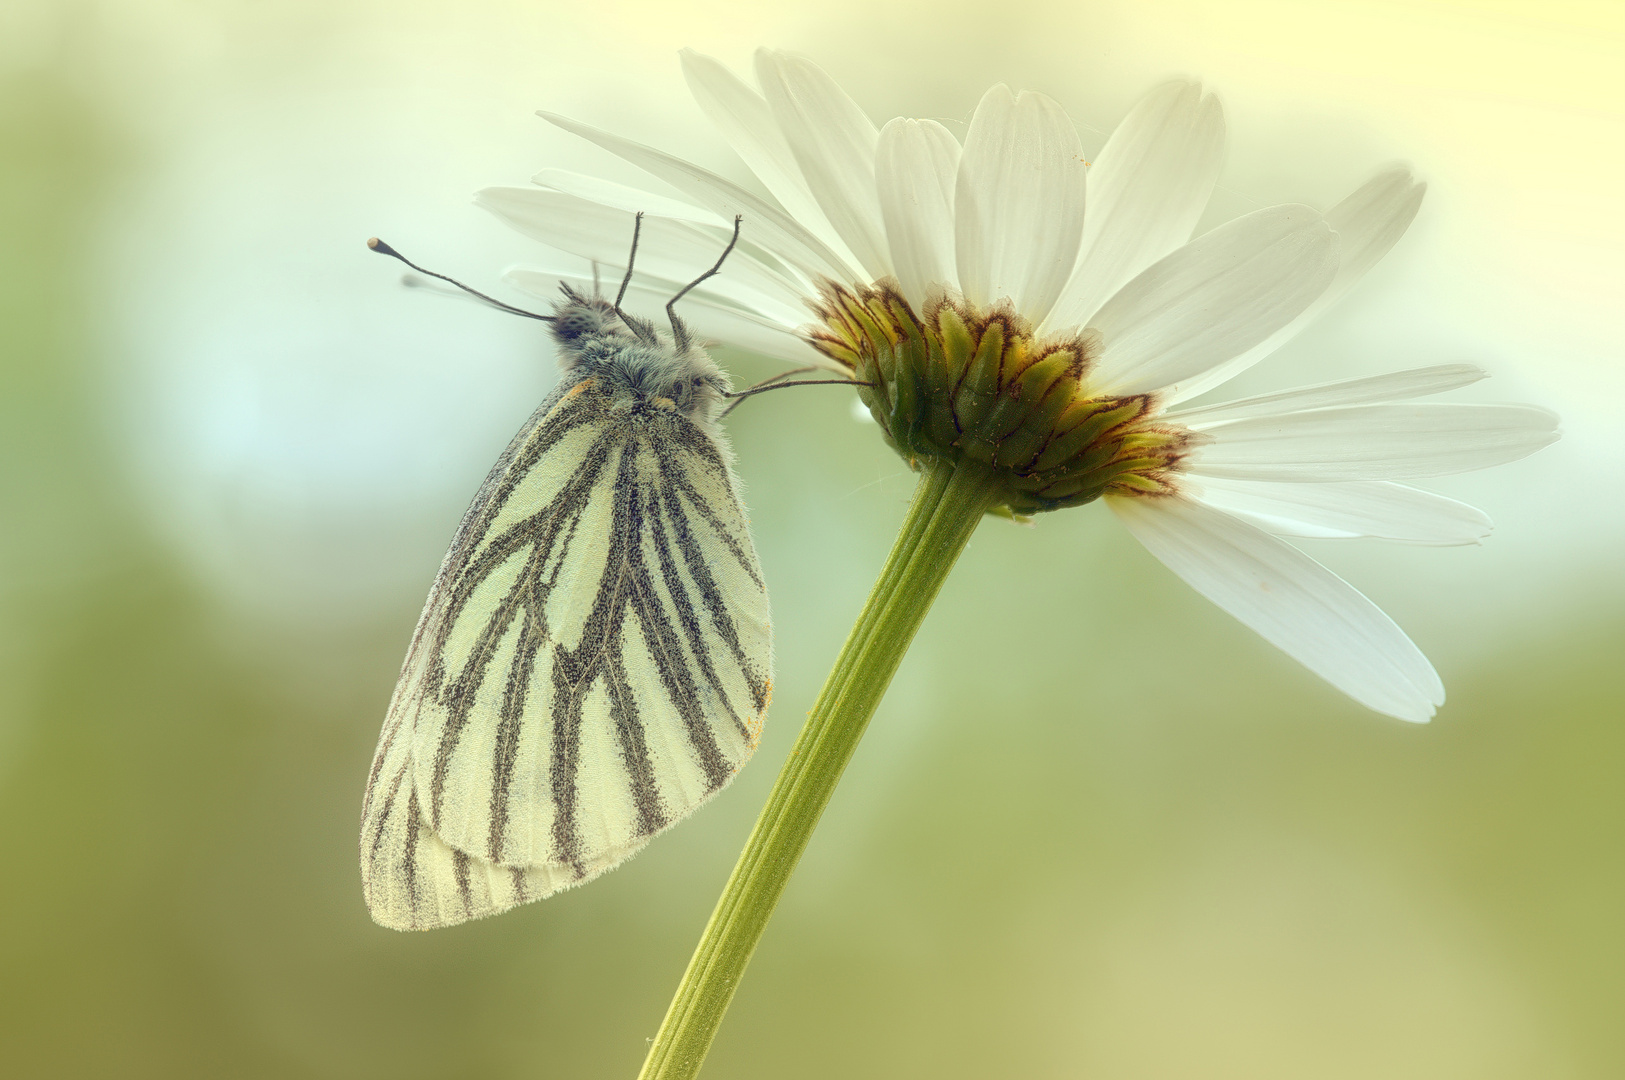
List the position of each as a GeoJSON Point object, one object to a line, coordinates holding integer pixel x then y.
{"type": "Point", "coordinates": [1012, 305]}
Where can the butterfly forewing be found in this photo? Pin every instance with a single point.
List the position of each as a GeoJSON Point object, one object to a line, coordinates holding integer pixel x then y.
{"type": "Point", "coordinates": [593, 663]}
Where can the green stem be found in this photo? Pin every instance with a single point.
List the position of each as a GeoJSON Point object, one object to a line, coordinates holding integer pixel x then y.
{"type": "Point", "coordinates": [948, 504]}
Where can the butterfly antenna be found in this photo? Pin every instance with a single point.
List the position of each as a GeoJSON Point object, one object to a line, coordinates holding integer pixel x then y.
{"type": "Point", "coordinates": [775, 383]}
{"type": "Point", "coordinates": [631, 257]}
{"type": "Point", "coordinates": [642, 328]}
{"type": "Point", "coordinates": [679, 330]}
{"type": "Point", "coordinates": [781, 376]}
{"type": "Point", "coordinates": [382, 248]}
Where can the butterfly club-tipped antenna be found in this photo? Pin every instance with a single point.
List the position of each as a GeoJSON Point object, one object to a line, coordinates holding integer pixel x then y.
{"type": "Point", "coordinates": [679, 329]}
{"type": "Point", "coordinates": [763, 385]}
{"type": "Point", "coordinates": [681, 338]}
{"type": "Point", "coordinates": [776, 382]}
{"type": "Point", "coordinates": [375, 244]}
{"type": "Point", "coordinates": [641, 328]}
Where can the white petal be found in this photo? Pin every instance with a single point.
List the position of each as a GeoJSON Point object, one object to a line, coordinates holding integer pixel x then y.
{"type": "Point", "coordinates": [772, 227]}
{"type": "Point", "coordinates": [1147, 187]}
{"type": "Point", "coordinates": [712, 318]}
{"type": "Point", "coordinates": [1396, 386]}
{"type": "Point", "coordinates": [1368, 223]}
{"type": "Point", "coordinates": [915, 169]}
{"type": "Point", "coordinates": [1368, 508]}
{"type": "Point", "coordinates": [744, 119]}
{"type": "Point", "coordinates": [672, 250]}
{"type": "Point", "coordinates": [1018, 202]}
{"type": "Point", "coordinates": [624, 197]}
{"type": "Point", "coordinates": [634, 200]}
{"type": "Point", "coordinates": [1373, 442]}
{"type": "Point", "coordinates": [1212, 299]}
{"type": "Point", "coordinates": [1292, 602]}
{"type": "Point", "coordinates": [834, 143]}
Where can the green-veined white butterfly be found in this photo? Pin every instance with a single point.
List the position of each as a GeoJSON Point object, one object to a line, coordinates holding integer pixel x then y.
{"type": "Point", "coordinates": [595, 657]}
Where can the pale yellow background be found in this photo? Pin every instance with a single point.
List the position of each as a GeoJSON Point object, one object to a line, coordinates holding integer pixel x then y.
{"type": "Point", "coordinates": [1096, 830]}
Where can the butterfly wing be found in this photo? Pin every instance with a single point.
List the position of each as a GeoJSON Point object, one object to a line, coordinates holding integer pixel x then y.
{"type": "Point", "coordinates": [593, 663]}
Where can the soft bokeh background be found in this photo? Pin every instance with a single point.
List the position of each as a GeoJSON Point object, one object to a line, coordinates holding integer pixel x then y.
{"type": "Point", "coordinates": [1096, 829]}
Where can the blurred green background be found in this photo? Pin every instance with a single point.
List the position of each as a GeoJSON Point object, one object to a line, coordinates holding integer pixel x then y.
{"type": "Point", "coordinates": [1096, 830]}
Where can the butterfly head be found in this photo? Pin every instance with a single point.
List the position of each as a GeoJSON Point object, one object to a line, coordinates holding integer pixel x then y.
{"type": "Point", "coordinates": [578, 319]}
{"type": "Point", "coordinates": [628, 354]}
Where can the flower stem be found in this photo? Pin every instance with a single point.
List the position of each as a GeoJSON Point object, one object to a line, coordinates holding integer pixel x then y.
{"type": "Point", "coordinates": [948, 504]}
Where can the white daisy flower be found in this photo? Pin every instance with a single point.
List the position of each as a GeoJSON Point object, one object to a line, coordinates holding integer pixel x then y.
{"type": "Point", "coordinates": [1016, 307]}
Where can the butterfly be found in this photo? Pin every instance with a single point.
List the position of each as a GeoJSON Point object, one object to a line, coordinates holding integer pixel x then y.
{"type": "Point", "coordinates": [595, 658]}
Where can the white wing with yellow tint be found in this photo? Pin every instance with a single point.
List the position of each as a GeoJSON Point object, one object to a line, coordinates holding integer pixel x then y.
{"type": "Point", "coordinates": [593, 663]}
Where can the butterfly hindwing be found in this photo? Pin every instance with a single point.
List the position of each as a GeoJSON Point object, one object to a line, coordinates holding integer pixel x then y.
{"type": "Point", "coordinates": [593, 663]}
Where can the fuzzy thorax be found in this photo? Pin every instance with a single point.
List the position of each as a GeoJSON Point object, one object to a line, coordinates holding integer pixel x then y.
{"type": "Point", "coordinates": [961, 383]}
{"type": "Point", "coordinates": [630, 353]}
